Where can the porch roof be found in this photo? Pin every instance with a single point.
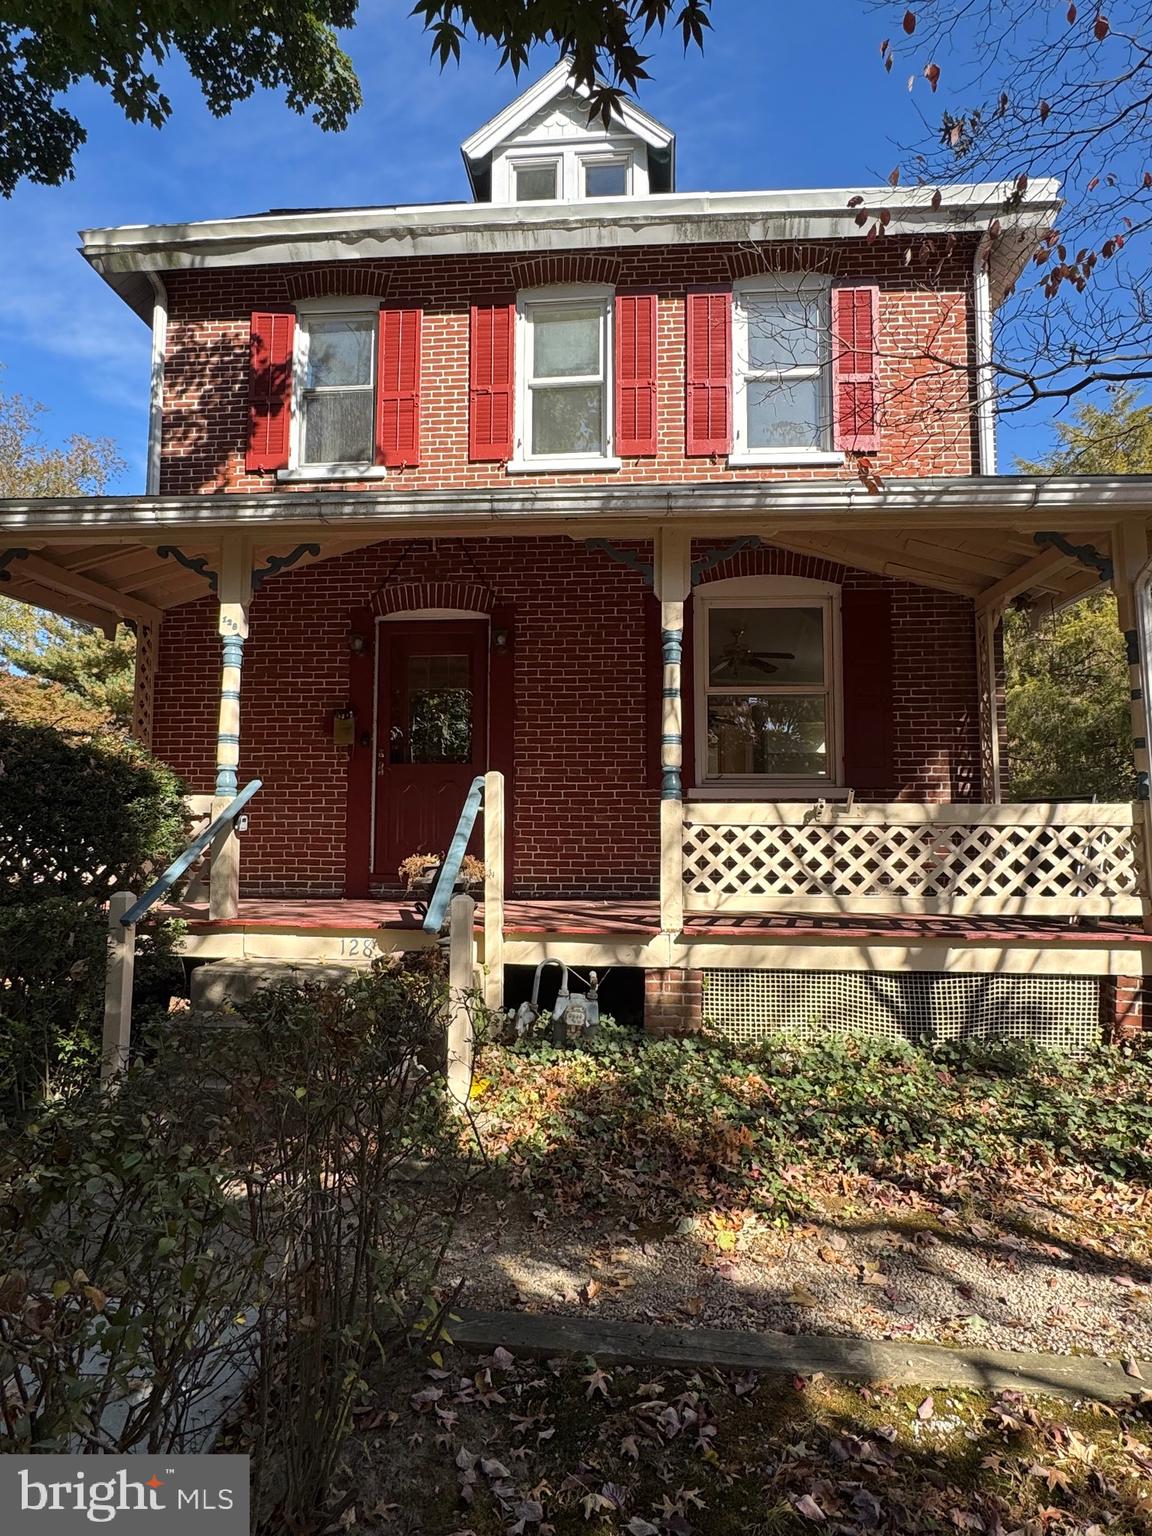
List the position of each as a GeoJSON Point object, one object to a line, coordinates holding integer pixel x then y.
{"type": "Point", "coordinates": [99, 558]}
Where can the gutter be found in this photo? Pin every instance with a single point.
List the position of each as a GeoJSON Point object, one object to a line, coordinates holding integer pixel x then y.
{"type": "Point", "coordinates": [156, 386]}
{"type": "Point", "coordinates": [1062, 501]}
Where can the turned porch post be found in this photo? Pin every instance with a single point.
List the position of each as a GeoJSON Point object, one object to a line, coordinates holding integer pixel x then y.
{"type": "Point", "coordinates": [1130, 558]}
{"type": "Point", "coordinates": [672, 576]}
{"type": "Point", "coordinates": [234, 594]}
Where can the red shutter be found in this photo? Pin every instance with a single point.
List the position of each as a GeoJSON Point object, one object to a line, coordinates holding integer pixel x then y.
{"type": "Point", "coordinates": [270, 349]}
{"type": "Point", "coordinates": [709, 404]}
{"type": "Point", "coordinates": [869, 714]}
{"type": "Point", "coordinates": [854, 368]}
{"type": "Point", "coordinates": [492, 366]}
{"type": "Point", "coordinates": [636, 374]}
{"type": "Point", "coordinates": [398, 387]}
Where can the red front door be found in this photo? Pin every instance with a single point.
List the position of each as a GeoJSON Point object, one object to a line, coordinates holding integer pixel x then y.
{"type": "Point", "coordinates": [432, 735]}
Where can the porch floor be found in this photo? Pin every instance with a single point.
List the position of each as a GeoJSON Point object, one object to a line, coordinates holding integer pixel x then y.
{"type": "Point", "coordinates": [563, 916]}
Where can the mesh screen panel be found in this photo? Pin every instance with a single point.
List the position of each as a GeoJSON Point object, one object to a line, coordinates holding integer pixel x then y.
{"type": "Point", "coordinates": [1059, 1012]}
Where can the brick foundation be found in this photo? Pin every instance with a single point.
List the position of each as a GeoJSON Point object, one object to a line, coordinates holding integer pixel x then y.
{"type": "Point", "coordinates": [673, 1002]}
{"type": "Point", "coordinates": [1124, 1005]}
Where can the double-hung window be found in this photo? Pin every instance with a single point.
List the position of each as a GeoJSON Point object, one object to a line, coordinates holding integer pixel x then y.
{"type": "Point", "coordinates": [781, 346]}
{"type": "Point", "coordinates": [336, 378]}
{"type": "Point", "coordinates": [564, 409]}
{"type": "Point", "coordinates": [767, 690]}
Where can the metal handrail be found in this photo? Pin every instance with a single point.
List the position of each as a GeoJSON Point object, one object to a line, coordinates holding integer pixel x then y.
{"type": "Point", "coordinates": [454, 858]}
{"type": "Point", "coordinates": [193, 851]}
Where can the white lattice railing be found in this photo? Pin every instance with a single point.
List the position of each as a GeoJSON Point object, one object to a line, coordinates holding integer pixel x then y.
{"type": "Point", "coordinates": [992, 860]}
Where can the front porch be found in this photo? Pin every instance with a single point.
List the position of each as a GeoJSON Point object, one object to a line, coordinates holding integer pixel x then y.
{"type": "Point", "coordinates": [613, 674]}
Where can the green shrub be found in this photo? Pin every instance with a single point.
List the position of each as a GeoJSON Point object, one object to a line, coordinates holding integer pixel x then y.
{"type": "Point", "coordinates": [80, 818]}
{"type": "Point", "coordinates": [293, 1167]}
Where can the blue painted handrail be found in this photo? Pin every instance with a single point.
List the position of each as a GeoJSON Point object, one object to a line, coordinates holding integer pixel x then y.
{"type": "Point", "coordinates": [193, 851]}
{"type": "Point", "coordinates": [453, 859]}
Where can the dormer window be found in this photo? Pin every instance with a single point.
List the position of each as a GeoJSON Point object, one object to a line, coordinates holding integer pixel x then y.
{"type": "Point", "coordinates": [547, 147]}
{"type": "Point", "coordinates": [536, 181]}
{"type": "Point", "coordinates": [606, 178]}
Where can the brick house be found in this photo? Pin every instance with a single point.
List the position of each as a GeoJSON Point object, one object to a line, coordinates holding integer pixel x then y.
{"type": "Point", "coordinates": [674, 514]}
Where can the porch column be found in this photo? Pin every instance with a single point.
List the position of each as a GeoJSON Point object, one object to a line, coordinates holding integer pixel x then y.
{"type": "Point", "coordinates": [673, 582]}
{"type": "Point", "coordinates": [1129, 558]}
{"type": "Point", "coordinates": [234, 592]}
{"type": "Point", "coordinates": [988, 621]}
{"type": "Point", "coordinates": [144, 680]}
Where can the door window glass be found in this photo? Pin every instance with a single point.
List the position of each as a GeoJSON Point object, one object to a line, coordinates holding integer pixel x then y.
{"type": "Point", "coordinates": [439, 711]}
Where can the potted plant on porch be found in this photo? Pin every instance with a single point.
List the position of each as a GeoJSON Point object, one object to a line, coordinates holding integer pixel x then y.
{"type": "Point", "coordinates": [419, 872]}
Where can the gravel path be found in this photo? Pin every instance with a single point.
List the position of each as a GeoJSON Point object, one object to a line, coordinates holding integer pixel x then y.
{"type": "Point", "coordinates": [931, 1276]}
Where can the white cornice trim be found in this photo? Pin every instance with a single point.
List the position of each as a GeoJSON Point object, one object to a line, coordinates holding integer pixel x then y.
{"type": "Point", "coordinates": [413, 230]}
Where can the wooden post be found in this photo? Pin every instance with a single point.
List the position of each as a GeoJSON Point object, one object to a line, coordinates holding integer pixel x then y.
{"type": "Point", "coordinates": [461, 981]}
{"type": "Point", "coordinates": [235, 591]}
{"type": "Point", "coordinates": [494, 889]}
{"type": "Point", "coordinates": [118, 989]}
{"type": "Point", "coordinates": [672, 572]}
{"type": "Point", "coordinates": [1129, 557]}
{"type": "Point", "coordinates": [988, 621]}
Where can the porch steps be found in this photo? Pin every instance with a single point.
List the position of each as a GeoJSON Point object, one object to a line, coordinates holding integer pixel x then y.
{"type": "Point", "coordinates": [222, 984]}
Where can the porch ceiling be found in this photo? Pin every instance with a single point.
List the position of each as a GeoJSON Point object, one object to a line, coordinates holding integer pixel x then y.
{"type": "Point", "coordinates": [98, 559]}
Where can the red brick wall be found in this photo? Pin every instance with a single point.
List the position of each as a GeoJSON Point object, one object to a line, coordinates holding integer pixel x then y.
{"type": "Point", "coordinates": [584, 821]}
{"type": "Point", "coordinates": [926, 427]}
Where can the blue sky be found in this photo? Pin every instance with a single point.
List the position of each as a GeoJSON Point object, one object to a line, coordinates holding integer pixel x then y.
{"type": "Point", "coordinates": [781, 97]}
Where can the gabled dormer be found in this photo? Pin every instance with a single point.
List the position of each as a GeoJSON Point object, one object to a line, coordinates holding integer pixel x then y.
{"type": "Point", "coordinates": [542, 148]}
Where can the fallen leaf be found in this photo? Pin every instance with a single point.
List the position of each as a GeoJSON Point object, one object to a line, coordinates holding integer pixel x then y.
{"type": "Point", "coordinates": [597, 1382]}
{"type": "Point", "coordinates": [807, 1506]}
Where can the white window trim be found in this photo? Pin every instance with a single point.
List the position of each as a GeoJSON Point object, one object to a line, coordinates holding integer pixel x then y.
{"type": "Point", "coordinates": [600, 158]}
{"type": "Point", "coordinates": [771, 592]}
{"type": "Point", "coordinates": [570, 156]}
{"type": "Point", "coordinates": [585, 294]}
{"type": "Point", "coordinates": [781, 285]}
{"type": "Point", "coordinates": [359, 308]}
{"type": "Point", "coordinates": [532, 160]}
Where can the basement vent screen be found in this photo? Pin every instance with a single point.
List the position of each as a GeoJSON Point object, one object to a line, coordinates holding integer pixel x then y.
{"type": "Point", "coordinates": [1061, 1013]}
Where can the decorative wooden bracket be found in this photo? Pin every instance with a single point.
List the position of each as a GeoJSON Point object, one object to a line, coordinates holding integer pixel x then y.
{"type": "Point", "coordinates": [1086, 554]}
{"type": "Point", "coordinates": [625, 557]}
{"type": "Point", "coordinates": [197, 564]}
{"type": "Point", "coordinates": [276, 563]}
{"type": "Point", "coordinates": [715, 557]}
{"type": "Point", "coordinates": [6, 559]}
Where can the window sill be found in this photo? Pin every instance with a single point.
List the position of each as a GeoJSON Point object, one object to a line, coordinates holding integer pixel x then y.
{"type": "Point", "coordinates": [307, 472]}
{"type": "Point", "coordinates": [562, 466]}
{"type": "Point", "coordinates": [797, 457]}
